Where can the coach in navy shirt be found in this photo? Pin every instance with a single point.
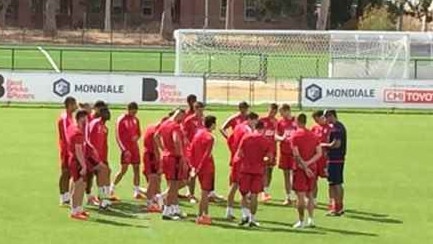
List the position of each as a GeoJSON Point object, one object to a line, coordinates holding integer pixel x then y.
{"type": "Point", "coordinates": [336, 156]}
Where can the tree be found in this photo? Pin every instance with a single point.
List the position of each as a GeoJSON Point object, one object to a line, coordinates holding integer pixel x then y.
{"type": "Point", "coordinates": [167, 20]}
{"type": "Point", "coordinates": [50, 26]}
{"type": "Point", "coordinates": [4, 5]}
{"type": "Point", "coordinates": [107, 20]}
{"type": "Point", "coordinates": [322, 20]}
{"type": "Point", "coordinates": [421, 9]}
{"type": "Point", "coordinates": [340, 12]}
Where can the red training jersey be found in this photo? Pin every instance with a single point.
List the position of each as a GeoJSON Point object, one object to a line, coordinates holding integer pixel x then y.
{"type": "Point", "coordinates": [322, 132]}
{"type": "Point", "coordinates": [149, 145]}
{"type": "Point", "coordinates": [75, 136]}
{"type": "Point", "coordinates": [254, 147]}
{"type": "Point", "coordinates": [201, 151]}
{"type": "Point", "coordinates": [286, 127]}
{"type": "Point", "coordinates": [270, 124]}
{"type": "Point", "coordinates": [191, 125]}
{"type": "Point", "coordinates": [236, 137]}
{"type": "Point", "coordinates": [306, 142]}
{"type": "Point", "coordinates": [97, 138]}
{"type": "Point", "coordinates": [234, 120]}
{"type": "Point", "coordinates": [64, 121]}
{"type": "Point", "coordinates": [167, 130]}
{"type": "Point", "coordinates": [127, 127]}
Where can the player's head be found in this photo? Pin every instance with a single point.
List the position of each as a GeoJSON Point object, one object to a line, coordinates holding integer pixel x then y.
{"type": "Point", "coordinates": [199, 108]}
{"type": "Point", "coordinates": [260, 127]}
{"type": "Point", "coordinates": [178, 115]}
{"type": "Point", "coordinates": [252, 119]}
{"type": "Point", "coordinates": [105, 114]}
{"type": "Point", "coordinates": [70, 104]}
{"type": "Point", "coordinates": [97, 106]}
{"type": "Point", "coordinates": [319, 117]}
{"type": "Point", "coordinates": [85, 106]}
{"type": "Point", "coordinates": [285, 110]}
{"type": "Point", "coordinates": [210, 122]}
{"type": "Point", "coordinates": [81, 117]}
{"type": "Point", "coordinates": [273, 109]}
{"type": "Point", "coordinates": [132, 108]}
{"type": "Point", "coordinates": [191, 99]}
{"type": "Point", "coordinates": [331, 116]}
{"type": "Point", "coordinates": [243, 107]}
{"type": "Point", "coordinates": [301, 120]}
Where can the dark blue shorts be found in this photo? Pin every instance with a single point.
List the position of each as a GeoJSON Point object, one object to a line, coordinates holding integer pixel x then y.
{"type": "Point", "coordinates": [335, 173]}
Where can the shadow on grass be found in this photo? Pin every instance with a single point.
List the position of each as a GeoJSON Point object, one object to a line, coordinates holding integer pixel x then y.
{"type": "Point", "coordinates": [117, 224]}
{"type": "Point", "coordinates": [345, 232]}
{"type": "Point", "coordinates": [324, 206]}
{"type": "Point", "coordinates": [379, 220]}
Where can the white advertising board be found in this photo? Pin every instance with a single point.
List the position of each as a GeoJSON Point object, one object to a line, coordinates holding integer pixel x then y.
{"type": "Point", "coordinates": [40, 87]}
{"type": "Point", "coordinates": [367, 93]}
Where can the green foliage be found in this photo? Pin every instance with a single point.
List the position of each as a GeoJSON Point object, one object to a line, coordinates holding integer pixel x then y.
{"type": "Point", "coordinates": [377, 18]}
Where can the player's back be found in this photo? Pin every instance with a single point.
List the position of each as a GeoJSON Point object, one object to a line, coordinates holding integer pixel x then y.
{"type": "Point", "coordinates": [306, 142]}
{"type": "Point", "coordinates": [148, 138]}
{"type": "Point", "coordinates": [202, 141]}
{"type": "Point", "coordinates": [235, 138]}
{"type": "Point", "coordinates": [235, 120]}
{"type": "Point", "coordinates": [74, 135]}
{"type": "Point", "coordinates": [167, 130]}
{"type": "Point", "coordinates": [191, 124]}
{"type": "Point", "coordinates": [63, 123]}
{"type": "Point", "coordinates": [254, 148]}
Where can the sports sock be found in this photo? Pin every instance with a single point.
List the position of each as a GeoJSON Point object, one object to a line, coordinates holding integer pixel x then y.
{"type": "Point", "coordinates": [245, 212]}
{"type": "Point", "coordinates": [112, 186]}
{"type": "Point", "coordinates": [288, 196]}
{"type": "Point", "coordinates": [266, 189]}
{"type": "Point", "coordinates": [229, 211]}
{"type": "Point", "coordinates": [166, 210]}
{"type": "Point", "coordinates": [136, 190]}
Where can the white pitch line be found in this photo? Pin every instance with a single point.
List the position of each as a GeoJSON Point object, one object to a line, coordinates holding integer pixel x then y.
{"type": "Point", "coordinates": [50, 60]}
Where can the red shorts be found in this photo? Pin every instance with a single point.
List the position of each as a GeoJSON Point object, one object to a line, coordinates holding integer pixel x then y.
{"type": "Point", "coordinates": [250, 183]}
{"type": "Point", "coordinates": [207, 181]}
{"type": "Point", "coordinates": [273, 161]}
{"type": "Point", "coordinates": [74, 169]}
{"type": "Point", "coordinates": [322, 165]}
{"type": "Point", "coordinates": [91, 164]}
{"type": "Point", "coordinates": [234, 174]}
{"type": "Point", "coordinates": [151, 165]}
{"type": "Point", "coordinates": [63, 159]}
{"type": "Point", "coordinates": [302, 183]}
{"type": "Point", "coordinates": [173, 168]}
{"type": "Point", "coordinates": [287, 162]}
{"type": "Point", "coordinates": [134, 159]}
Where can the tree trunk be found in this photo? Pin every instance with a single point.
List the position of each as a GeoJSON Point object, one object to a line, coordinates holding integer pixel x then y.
{"type": "Point", "coordinates": [107, 22]}
{"type": "Point", "coordinates": [424, 23]}
{"type": "Point", "coordinates": [5, 5]}
{"type": "Point", "coordinates": [322, 20]}
{"type": "Point", "coordinates": [167, 21]}
{"type": "Point", "coordinates": [50, 26]}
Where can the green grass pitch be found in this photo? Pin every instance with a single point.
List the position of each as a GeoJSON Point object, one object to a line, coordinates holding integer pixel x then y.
{"type": "Point", "coordinates": [388, 190]}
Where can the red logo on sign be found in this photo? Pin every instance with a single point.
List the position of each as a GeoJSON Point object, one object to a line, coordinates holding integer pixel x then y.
{"type": "Point", "coordinates": [408, 96]}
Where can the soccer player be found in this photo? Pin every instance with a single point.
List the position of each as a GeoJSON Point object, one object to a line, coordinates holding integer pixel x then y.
{"type": "Point", "coordinates": [306, 151]}
{"type": "Point", "coordinates": [191, 124]}
{"type": "Point", "coordinates": [322, 130]}
{"type": "Point", "coordinates": [235, 119]}
{"type": "Point", "coordinates": [285, 127]}
{"type": "Point", "coordinates": [191, 99]}
{"type": "Point", "coordinates": [253, 151]}
{"type": "Point", "coordinates": [234, 140]}
{"type": "Point", "coordinates": [203, 166]}
{"type": "Point", "coordinates": [98, 159]}
{"type": "Point", "coordinates": [65, 120]}
{"type": "Point", "coordinates": [336, 156]}
{"type": "Point", "coordinates": [87, 108]}
{"type": "Point", "coordinates": [128, 133]}
{"type": "Point", "coordinates": [270, 123]}
{"type": "Point", "coordinates": [173, 163]}
{"type": "Point", "coordinates": [98, 105]}
{"type": "Point", "coordinates": [77, 164]}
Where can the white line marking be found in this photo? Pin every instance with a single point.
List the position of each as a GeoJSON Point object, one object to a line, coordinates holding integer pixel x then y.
{"type": "Point", "coordinates": [50, 60]}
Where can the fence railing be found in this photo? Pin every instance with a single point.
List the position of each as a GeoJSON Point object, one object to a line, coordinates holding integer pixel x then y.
{"type": "Point", "coordinates": [163, 61]}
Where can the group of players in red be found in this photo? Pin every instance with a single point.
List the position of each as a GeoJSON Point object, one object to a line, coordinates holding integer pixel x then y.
{"type": "Point", "coordinates": [180, 147]}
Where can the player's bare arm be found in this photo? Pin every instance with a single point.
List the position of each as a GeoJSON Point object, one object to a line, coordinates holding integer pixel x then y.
{"type": "Point", "coordinates": [158, 149]}
{"type": "Point", "coordinates": [333, 145]}
{"type": "Point", "coordinates": [224, 128]}
{"type": "Point", "coordinates": [206, 155]}
{"type": "Point", "coordinates": [316, 156]}
{"type": "Point", "coordinates": [80, 157]}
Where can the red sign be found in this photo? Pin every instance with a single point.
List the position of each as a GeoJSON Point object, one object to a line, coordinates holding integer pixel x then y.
{"type": "Point", "coordinates": [408, 96]}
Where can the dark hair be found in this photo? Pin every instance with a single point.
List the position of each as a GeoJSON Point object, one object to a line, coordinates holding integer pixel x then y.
{"type": "Point", "coordinates": [99, 104]}
{"type": "Point", "coordinates": [191, 98]}
{"type": "Point", "coordinates": [133, 106]}
{"type": "Point", "coordinates": [198, 105]}
{"type": "Point", "coordinates": [83, 105]}
{"type": "Point", "coordinates": [80, 114]}
{"type": "Point", "coordinates": [105, 114]}
{"type": "Point", "coordinates": [252, 116]}
{"type": "Point", "coordinates": [331, 112]}
{"type": "Point", "coordinates": [285, 107]}
{"type": "Point", "coordinates": [243, 104]}
{"type": "Point", "coordinates": [209, 121]}
{"type": "Point", "coordinates": [273, 106]}
{"type": "Point", "coordinates": [69, 100]}
{"type": "Point", "coordinates": [302, 119]}
{"type": "Point", "coordinates": [317, 114]}
{"type": "Point", "coordinates": [260, 125]}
